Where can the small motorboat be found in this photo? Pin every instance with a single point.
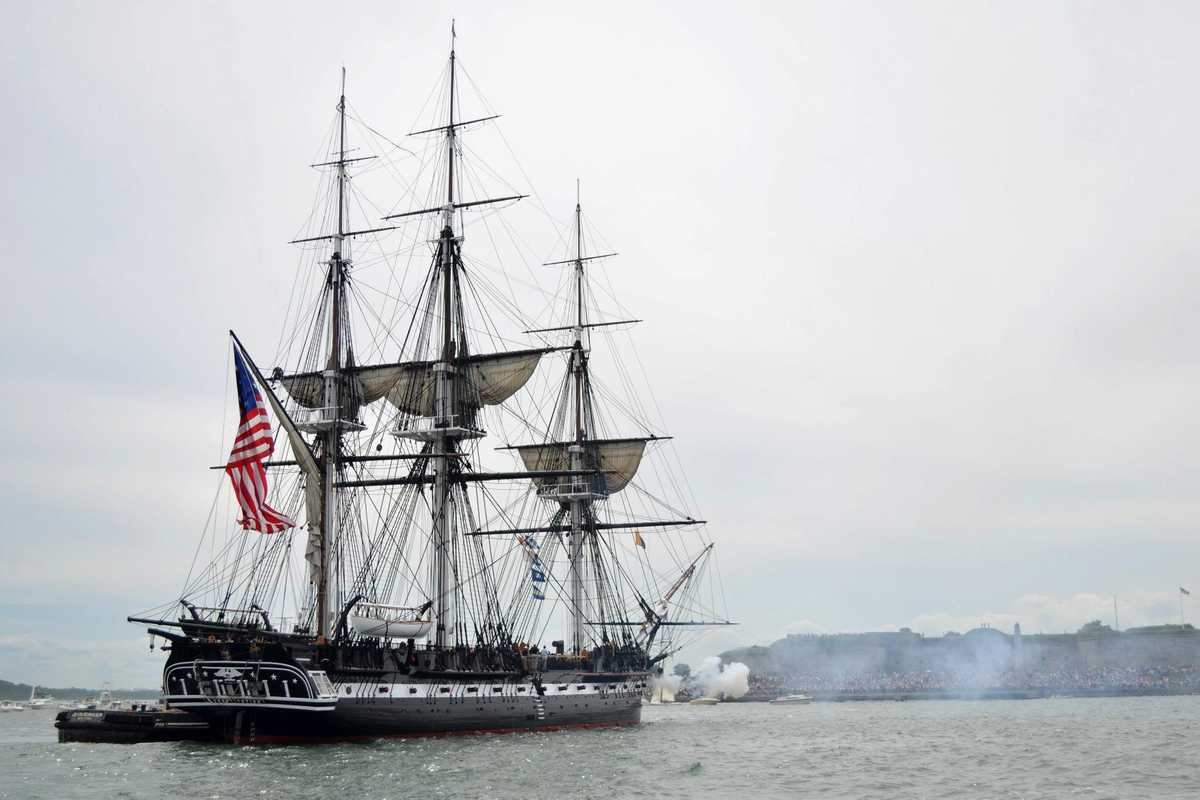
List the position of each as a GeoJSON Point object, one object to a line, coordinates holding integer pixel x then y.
{"type": "Point", "coordinates": [792, 700]}
{"type": "Point", "coordinates": [703, 701]}
{"type": "Point", "coordinates": [7, 706]}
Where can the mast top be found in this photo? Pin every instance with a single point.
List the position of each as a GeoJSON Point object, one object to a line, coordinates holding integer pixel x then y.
{"type": "Point", "coordinates": [448, 215]}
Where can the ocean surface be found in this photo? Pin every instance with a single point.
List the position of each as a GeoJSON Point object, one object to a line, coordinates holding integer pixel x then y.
{"type": "Point", "coordinates": [1137, 747]}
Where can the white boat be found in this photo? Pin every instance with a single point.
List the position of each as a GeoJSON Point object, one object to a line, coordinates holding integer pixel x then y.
{"type": "Point", "coordinates": [389, 622]}
{"type": "Point", "coordinates": [792, 700]}
{"type": "Point", "coordinates": [703, 701]}
{"type": "Point", "coordinates": [7, 706]}
{"type": "Point", "coordinates": [107, 702]}
{"type": "Point", "coordinates": [38, 703]}
{"type": "Point", "coordinates": [104, 702]}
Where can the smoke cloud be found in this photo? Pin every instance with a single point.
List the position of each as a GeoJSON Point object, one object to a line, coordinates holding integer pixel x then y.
{"type": "Point", "coordinates": [664, 688]}
{"type": "Point", "coordinates": [717, 679]}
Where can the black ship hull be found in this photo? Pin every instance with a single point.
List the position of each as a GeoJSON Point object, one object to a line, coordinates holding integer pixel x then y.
{"type": "Point", "coordinates": [364, 720]}
{"type": "Point", "coordinates": [276, 694]}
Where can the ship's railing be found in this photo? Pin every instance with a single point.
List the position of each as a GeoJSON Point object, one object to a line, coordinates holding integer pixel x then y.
{"type": "Point", "coordinates": [210, 613]}
{"type": "Point", "coordinates": [315, 420]}
{"type": "Point", "coordinates": [569, 489]}
{"type": "Point", "coordinates": [228, 616]}
{"type": "Point", "coordinates": [426, 428]}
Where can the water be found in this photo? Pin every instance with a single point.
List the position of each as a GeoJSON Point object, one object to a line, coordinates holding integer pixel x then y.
{"type": "Point", "coordinates": [1142, 747]}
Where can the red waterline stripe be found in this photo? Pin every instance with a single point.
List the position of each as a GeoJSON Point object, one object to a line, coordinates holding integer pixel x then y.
{"type": "Point", "coordinates": [260, 739]}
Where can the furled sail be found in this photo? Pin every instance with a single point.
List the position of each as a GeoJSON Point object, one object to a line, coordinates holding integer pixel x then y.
{"type": "Point", "coordinates": [493, 379]}
{"type": "Point", "coordinates": [308, 389]}
{"type": "Point", "coordinates": [313, 503]}
{"type": "Point", "coordinates": [482, 380]}
{"type": "Point", "coordinates": [617, 461]}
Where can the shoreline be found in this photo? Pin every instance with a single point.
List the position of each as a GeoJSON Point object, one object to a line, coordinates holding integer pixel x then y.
{"type": "Point", "coordinates": [976, 694]}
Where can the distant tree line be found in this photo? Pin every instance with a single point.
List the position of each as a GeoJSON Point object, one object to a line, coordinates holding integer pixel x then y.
{"type": "Point", "coordinates": [20, 692]}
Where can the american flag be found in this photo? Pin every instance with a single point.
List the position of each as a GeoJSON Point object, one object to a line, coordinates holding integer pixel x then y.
{"type": "Point", "coordinates": [251, 447]}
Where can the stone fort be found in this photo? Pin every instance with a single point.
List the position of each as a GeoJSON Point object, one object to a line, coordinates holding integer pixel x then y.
{"type": "Point", "coordinates": [983, 649]}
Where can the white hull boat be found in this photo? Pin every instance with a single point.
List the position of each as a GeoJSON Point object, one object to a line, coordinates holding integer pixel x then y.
{"type": "Point", "coordinates": [792, 700]}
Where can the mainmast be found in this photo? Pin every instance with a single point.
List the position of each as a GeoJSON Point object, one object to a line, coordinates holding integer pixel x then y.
{"type": "Point", "coordinates": [578, 370]}
{"type": "Point", "coordinates": [451, 415]}
{"type": "Point", "coordinates": [332, 375]}
{"type": "Point", "coordinates": [444, 443]}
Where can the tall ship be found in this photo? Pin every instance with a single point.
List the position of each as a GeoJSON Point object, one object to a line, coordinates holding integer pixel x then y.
{"type": "Point", "coordinates": [438, 516]}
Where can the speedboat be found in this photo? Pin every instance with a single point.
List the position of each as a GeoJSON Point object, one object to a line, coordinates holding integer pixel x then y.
{"type": "Point", "coordinates": [792, 700]}
{"type": "Point", "coordinates": [703, 701]}
{"type": "Point", "coordinates": [7, 706]}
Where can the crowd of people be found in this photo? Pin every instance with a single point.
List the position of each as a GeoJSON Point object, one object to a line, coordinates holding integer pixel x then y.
{"type": "Point", "coordinates": [1058, 680]}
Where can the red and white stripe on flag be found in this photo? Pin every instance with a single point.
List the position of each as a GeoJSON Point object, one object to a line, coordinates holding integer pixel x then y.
{"type": "Point", "coordinates": [250, 486]}
{"type": "Point", "coordinates": [252, 445]}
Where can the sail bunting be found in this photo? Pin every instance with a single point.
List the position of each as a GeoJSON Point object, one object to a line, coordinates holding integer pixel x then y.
{"type": "Point", "coordinates": [493, 380]}
{"type": "Point", "coordinates": [616, 459]}
{"type": "Point", "coordinates": [308, 389]}
{"type": "Point", "coordinates": [483, 380]}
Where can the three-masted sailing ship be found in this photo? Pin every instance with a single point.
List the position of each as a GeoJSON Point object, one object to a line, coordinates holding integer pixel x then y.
{"type": "Point", "coordinates": [433, 594]}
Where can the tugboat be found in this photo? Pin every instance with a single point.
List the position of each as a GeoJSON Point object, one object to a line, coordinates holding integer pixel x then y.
{"type": "Point", "coordinates": [424, 595]}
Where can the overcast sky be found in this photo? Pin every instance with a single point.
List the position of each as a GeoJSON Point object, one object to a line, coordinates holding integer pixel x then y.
{"type": "Point", "coordinates": [918, 281]}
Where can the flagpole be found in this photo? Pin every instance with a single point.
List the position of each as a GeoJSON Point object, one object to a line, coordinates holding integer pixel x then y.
{"type": "Point", "coordinates": [304, 454]}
